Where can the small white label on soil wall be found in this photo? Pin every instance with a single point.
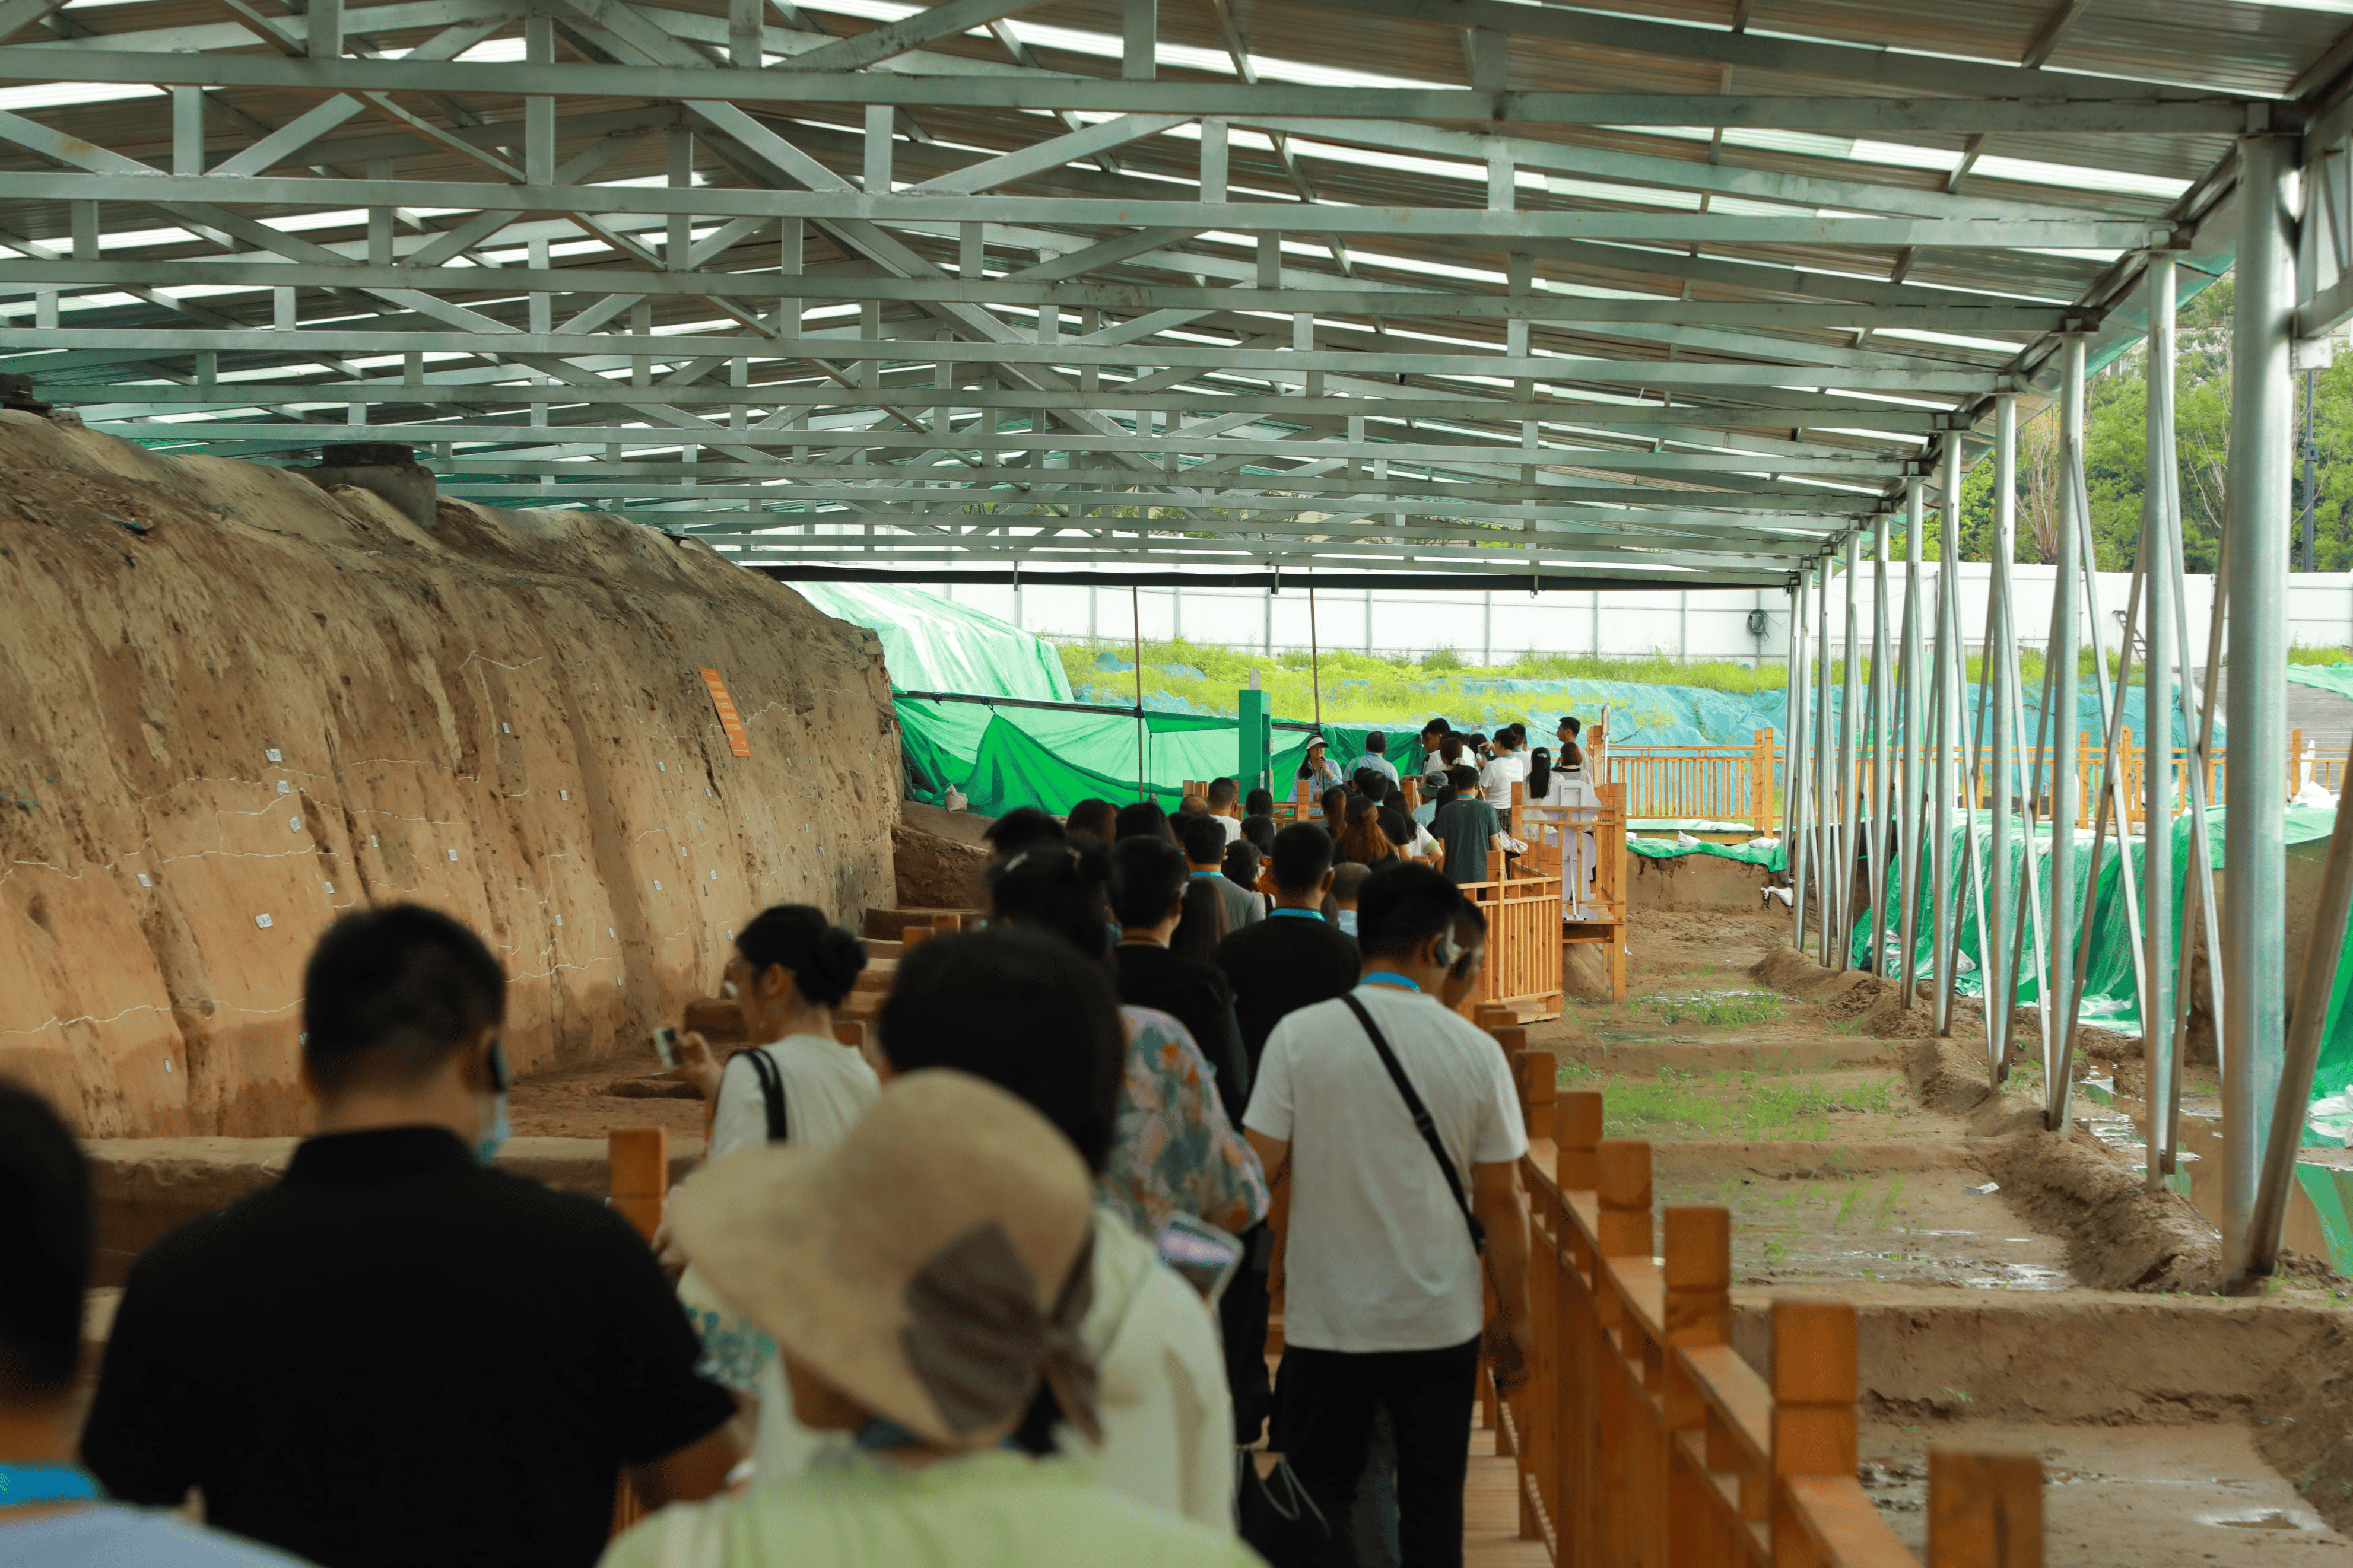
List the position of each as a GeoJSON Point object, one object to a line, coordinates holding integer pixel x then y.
{"type": "Point", "coordinates": [144, 881]}
{"type": "Point", "coordinates": [167, 1064]}
{"type": "Point", "coordinates": [564, 794]}
{"type": "Point", "coordinates": [285, 788]}
{"type": "Point", "coordinates": [656, 887]}
{"type": "Point", "coordinates": [453, 854]}
{"type": "Point", "coordinates": [714, 875]}
{"type": "Point", "coordinates": [271, 754]}
{"type": "Point", "coordinates": [505, 730]}
{"type": "Point", "coordinates": [663, 767]}
{"type": "Point", "coordinates": [261, 921]}
{"type": "Point", "coordinates": [293, 825]}
{"type": "Point", "coordinates": [331, 889]}
{"type": "Point", "coordinates": [559, 920]}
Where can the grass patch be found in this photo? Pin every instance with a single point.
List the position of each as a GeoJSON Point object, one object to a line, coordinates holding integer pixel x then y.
{"type": "Point", "coordinates": [1733, 1104]}
{"type": "Point", "coordinates": [1359, 689]}
{"type": "Point", "coordinates": [1716, 1009]}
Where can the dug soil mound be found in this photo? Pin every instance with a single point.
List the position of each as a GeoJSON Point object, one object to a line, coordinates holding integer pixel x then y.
{"type": "Point", "coordinates": [234, 705]}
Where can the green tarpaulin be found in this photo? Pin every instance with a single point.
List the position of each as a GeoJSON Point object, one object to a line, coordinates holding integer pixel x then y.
{"type": "Point", "coordinates": [1002, 758]}
{"type": "Point", "coordinates": [2336, 678]}
{"type": "Point", "coordinates": [930, 644]}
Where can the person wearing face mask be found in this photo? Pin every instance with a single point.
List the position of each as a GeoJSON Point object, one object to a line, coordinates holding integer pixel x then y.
{"type": "Point", "coordinates": [400, 1354]}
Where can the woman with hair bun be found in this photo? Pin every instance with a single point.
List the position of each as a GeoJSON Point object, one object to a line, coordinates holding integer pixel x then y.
{"type": "Point", "coordinates": [790, 968]}
{"type": "Point", "coordinates": [800, 1086]}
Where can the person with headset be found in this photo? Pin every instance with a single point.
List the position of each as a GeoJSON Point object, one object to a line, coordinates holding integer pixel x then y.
{"type": "Point", "coordinates": [400, 1354]}
{"type": "Point", "coordinates": [1395, 1124]}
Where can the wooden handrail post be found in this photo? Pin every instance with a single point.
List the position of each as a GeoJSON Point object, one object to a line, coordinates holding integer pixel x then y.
{"type": "Point", "coordinates": [1577, 1136]}
{"type": "Point", "coordinates": [1623, 1171]}
{"type": "Point", "coordinates": [639, 1176]}
{"type": "Point", "coordinates": [1814, 1388]}
{"type": "Point", "coordinates": [1761, 783]}
{"type": "Point", "coordinates": [1536, 1075]}
{"type": "Point", "coordinates": [1985, 1509]}
{"type": "Point", "coordinates": [1698, 1272]}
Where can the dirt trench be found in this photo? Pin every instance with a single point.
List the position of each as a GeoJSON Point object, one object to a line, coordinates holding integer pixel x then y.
{"type": "Point", "coordinates": [2015, 1287]}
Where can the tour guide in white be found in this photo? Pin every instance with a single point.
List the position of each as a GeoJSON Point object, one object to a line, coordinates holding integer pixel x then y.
{"type": "Point", "coordinates": [1381, 1252]}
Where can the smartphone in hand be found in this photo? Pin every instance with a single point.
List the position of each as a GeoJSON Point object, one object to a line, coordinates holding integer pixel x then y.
{"type": "Point", "coordinates": [666, 1046]}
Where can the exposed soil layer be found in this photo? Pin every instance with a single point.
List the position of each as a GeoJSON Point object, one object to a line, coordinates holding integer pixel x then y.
{"type": "Point", "coordinates": [234, 705]}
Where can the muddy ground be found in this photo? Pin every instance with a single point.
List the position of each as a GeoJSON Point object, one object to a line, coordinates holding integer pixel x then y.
{"type": "Point", "coordinates": [2017, 1288]}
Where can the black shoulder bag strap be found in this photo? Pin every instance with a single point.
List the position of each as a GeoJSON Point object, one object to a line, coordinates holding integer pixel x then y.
{"type": "Point", "coordinates": [1421, 1121]}
{"type": "Point", "coordinates": [772, 1091]}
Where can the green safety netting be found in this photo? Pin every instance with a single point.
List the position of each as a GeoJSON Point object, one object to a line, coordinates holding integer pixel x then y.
{"type": "Point", "coordinates": [2110, 999]}
{"type": "Point", "coordinates": [931, 644]}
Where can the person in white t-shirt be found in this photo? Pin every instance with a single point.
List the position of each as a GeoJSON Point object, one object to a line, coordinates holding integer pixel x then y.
{"type": "Point", "coordinates": [1507, 766]}
{"type": "Point", "coordinates": [1223, 795]}
{"type": "Point", "coordinates": [1383, 1302]}
{"type": "Point", "coordinates": [790, 969]}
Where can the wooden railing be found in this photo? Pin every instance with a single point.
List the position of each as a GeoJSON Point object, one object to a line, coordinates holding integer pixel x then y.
{"type": "Point", "coordinates": [1642, 1437]}
{"type": "Point", "coordinates": [1522, 907]}
{"type": "Point", "coordinates": [1715, 783]}
{"type": "Point", "coordinates": [1589, 844]}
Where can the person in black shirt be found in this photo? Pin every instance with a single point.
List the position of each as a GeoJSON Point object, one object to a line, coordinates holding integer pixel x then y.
{"type": "Point", "coordinates": [400, 1354]}
{"type": "Point", "coordinates": [1294, 958]}
{"type": "Point", "coordinates": [1148, 883]}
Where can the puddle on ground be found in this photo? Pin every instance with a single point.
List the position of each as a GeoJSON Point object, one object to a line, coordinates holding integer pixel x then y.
{"type": "Point", "coordinates": [2264, 1518]}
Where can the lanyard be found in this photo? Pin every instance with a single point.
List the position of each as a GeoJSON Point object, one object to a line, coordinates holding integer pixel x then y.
{"type": "Point", "coordinates": [22, 1486]}
{"type": "Point", "coordinates": [1297, 914]}
{"type": "Point", "coordinates": [1388, 977]}
{"type": "Point", "coordinates": [1209, 876]}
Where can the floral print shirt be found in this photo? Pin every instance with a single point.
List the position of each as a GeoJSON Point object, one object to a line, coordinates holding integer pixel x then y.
{"type": "Point", "coordinates": [1174, 1150]}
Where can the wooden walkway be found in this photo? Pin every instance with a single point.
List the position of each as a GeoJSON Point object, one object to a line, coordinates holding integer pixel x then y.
{"type": "Point", "coordinates": [1491, 1512]}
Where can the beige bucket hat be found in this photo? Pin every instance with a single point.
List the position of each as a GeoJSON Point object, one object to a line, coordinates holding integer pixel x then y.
{"type": "Point", "coordinates": [933, 1265]}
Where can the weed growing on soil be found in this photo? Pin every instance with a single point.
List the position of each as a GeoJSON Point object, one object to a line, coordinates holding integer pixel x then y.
{"type": "Point", "coordinates": [1717, 1009]}
{"type": "Point", "coordinates": [1729, 1103]}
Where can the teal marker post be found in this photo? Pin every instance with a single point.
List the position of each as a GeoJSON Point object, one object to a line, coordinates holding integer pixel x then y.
{"type": "Point", "coordinates": [1256, 733]}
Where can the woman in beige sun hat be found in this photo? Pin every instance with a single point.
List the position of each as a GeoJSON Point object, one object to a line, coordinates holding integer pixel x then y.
{"type": "Point", "coordinates": [923, 1279]}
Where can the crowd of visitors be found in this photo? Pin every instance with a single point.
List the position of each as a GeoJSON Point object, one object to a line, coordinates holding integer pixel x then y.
{"type": "Point", "coordinates": [910, 1282]}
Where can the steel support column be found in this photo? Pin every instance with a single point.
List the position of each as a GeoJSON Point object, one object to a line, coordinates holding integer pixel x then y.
{"type": "Point", "coordinates": [1951, 725]}
{"type": "Point", "coordinates": [2263, 428]}
{"type": "Point", "coordinates": [1999, 678]}
{"type": "Point", "coordinates": [2159, 499]}
{"type": "Point", "coordinates": [1826, 824]}
{"type": "Point", "coordinates": [1915, 511]}
{"type": "Point", "coordinates": [2056, 983]}
{"type": "Point", "coordinates": [1851, 826]}
{"type": "Point", "coordinates": [1883, 730]}
{"type": "Point", "coordinates": [1795, 823]}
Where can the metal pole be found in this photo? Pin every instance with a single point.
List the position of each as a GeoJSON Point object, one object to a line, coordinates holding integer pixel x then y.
{"type": "Point", "coordinates": [2254, 919]}
{"type": "Point", "coordinates": [1882, 729]}
{"type": "Point", "coordinates": [2000, 677]}
{"type": "Point", "coordinates": [2111, 798]}
{"type": "Point", "coordinates": [1794, 805]}
{"type": "Point", "coordinates": [2303, 1053]}
{"type": "Point", "coordinates": [1915, 506]}
{"type": "Point", "coordinates": [1825, 783]}
{"type": "Point", "coordinates": [1136, 632]}
{"type": "Point", "coordinates": [1851, 823]}
{"type": "Point", "coordinates": [2200, 920]}
{"type": "Point", "coordinates": [2158, 707]}
{"type": "Point", "coordinates": [1314, 659]}
{"type": "Point", "coordinates": [2309, 447]}
{"type": "Point", "coordinates": [2059, 721]}
{"type": "Point", "coordinates": [1944, 918]}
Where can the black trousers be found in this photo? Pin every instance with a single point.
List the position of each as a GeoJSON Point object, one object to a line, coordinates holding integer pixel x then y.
{"type": "Point", "coordinates": [1326, 1401]}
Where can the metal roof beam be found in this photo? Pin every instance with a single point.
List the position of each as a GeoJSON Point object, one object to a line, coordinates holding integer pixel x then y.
{"type": "Point", "coordinates": [2121, 110]}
